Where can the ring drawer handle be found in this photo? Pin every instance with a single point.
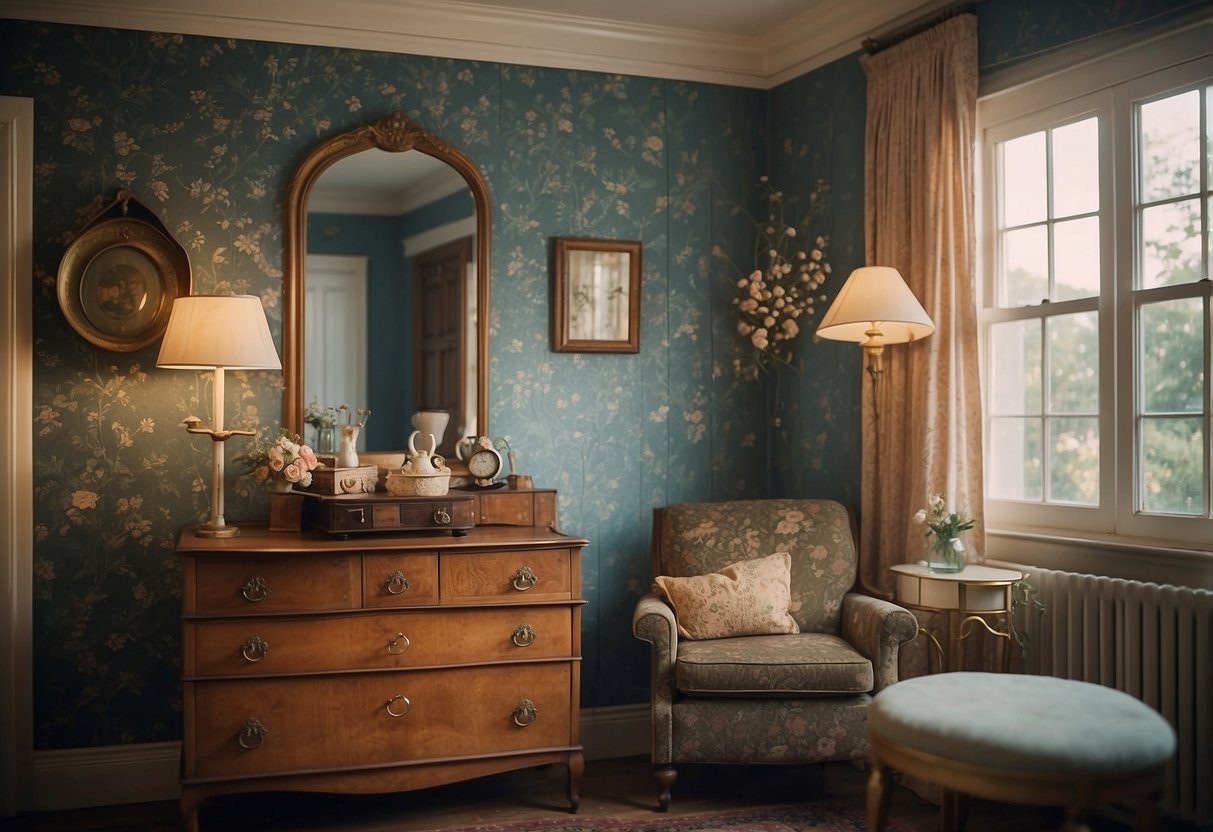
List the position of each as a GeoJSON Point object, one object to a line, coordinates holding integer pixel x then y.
{"type": "Point", "coordinates": [255, 589]}
{"type": "Point", "coordinates": [398, 710]}
{"type": "Point", "coordinates": [524, 636]}
{"type": "Point", "coordinates": [254, 649]}
{"type": "Point", "coordinates": [525, 713]}
{"type": "Point", "coordinates": [524, 579]}
{"type": "Point", "coordinates": [399, 644]}
{"type": "Point", "coordinates": [442, 517]}
{"type": "Point", "coordinates": [396, 583]}
{"type": "Point", "coordinates": [252, 733]}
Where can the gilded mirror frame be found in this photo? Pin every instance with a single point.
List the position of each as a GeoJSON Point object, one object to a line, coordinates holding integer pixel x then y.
{"type": "Point", "coordinates": [394, 133]}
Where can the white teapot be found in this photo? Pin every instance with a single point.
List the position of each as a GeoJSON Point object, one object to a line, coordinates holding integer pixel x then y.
{"type": "Point", "coordinates": [423, 462]}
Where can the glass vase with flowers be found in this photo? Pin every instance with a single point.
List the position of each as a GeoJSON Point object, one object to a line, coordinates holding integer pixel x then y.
{"type": "Point", "coordinates": [946, 551]}
{"type": "Point", "coordinates": [281, 462]}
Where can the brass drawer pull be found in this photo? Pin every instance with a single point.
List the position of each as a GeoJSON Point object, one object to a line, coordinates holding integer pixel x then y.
{"type": "Point", "coordinates": [525, 713]}
{"type": "Point", "coordinates": [255, 589]}
{"type": "Point", "coordinates": [524, 636]}
{"type": "Point", "coordinates": [358, 513]}
{"type": "Point", "coordinates": [442, 517]}
{"type": "Point", "coordinates": [399, 644]}
{"type": "Point", "coordinates": [254, 649]}
{"type": "Point", "coordinates": [396, 583]}
{"type": "Point", "coordinates": [251, 733]}
{"type": "Point", "coordinates": [524, 579]}
{"type": "Point", "coordinates": [403, 708]}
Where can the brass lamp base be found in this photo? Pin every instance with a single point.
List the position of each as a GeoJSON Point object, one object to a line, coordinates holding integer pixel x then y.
{"type": "Point", "coordinates": [209, 530]}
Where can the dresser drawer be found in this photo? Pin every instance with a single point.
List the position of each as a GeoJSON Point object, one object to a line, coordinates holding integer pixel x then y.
{"type": "Point", "coordinates": [397, 580]}
{"type": "Point", "coordinates": [250, 647]}
{"type": "Point", "coordinates": [520, 577]}
{"type": "Point", "coordinates": [325, 723]}
{"type": "Point", "coordinates": [277, 584]}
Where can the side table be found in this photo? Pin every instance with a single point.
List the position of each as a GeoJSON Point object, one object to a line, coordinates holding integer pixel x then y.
{"type": "Point", "coordinates": [966, 597]}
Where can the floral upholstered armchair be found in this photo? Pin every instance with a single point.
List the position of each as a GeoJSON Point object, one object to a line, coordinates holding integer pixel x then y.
{"type": "Point", "coordinates": [761, 653]}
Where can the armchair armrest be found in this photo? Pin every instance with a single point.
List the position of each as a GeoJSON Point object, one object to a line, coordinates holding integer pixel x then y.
{"type": "Point", "coordinates": [653, 621]}
{"type": "Point", "coordinates": [877, 628]}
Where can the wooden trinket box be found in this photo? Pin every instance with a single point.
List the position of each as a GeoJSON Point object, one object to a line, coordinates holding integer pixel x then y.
{"type": "Point", "coordinates": [347, 514]}
{"type": "Point", "coordinates": [363, 479]}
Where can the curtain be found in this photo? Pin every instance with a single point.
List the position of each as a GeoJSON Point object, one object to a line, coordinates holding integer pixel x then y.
{"type": "Point", "coordinates": [924, 437]}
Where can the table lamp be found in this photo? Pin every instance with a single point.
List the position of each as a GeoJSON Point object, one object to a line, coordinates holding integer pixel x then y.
{"type": "Point", "coordinates": [875, 307]}
{"type": "Point", "coordinates": [217, 332]}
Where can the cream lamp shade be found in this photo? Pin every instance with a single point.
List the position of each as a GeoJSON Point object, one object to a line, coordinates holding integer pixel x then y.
{"type": "Point", "coordinates": [217, 332]}
{"type": "Point", "coordinates": [875, 307]}
{"type": "Point", "coordinates": [208, 331]}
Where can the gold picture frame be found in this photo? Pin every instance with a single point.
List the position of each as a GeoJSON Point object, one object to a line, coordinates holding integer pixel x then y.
{"type": "Point", "coordinates": [118, 279]}
{"type": "Point", "coordinates": [596, 295]}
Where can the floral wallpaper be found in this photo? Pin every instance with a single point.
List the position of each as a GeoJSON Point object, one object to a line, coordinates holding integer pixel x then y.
{"type": "Point", "coordinates": [206, 132]}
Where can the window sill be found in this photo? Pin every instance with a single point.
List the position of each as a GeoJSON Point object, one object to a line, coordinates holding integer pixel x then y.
{"type": "Point", "coordinates": [1135, 560]}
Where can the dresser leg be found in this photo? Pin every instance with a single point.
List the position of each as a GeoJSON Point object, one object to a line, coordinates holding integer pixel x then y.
{"type": "Point", "coordinates": [576, 769]}
{"type": "Point", "coordinates": [190, 800]}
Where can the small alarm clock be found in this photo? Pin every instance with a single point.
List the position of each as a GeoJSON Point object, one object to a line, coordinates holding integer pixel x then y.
{"type": "Point", "coordinates": [484, 463]}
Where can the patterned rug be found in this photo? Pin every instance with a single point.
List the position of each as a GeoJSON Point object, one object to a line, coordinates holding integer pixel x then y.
{"type": "Point", "coordinates": [795, 817]}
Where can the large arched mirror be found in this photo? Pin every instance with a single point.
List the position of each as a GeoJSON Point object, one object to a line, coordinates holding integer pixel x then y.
{"type": "Point", "coordinates": [386, 283]}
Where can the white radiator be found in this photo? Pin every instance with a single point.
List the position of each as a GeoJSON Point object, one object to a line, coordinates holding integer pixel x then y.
{"type": "Point", "coordinates": [1152, 641]}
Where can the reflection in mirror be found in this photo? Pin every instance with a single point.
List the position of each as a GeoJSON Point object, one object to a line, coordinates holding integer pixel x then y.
{"type": "Point", "coordinates": [386, 283]}
{"type": "Point", "coordinates": [596, 296]}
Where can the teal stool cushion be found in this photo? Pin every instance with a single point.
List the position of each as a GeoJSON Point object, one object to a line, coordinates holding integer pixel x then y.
{"type": "Point", "coordinates": [1010, 722]}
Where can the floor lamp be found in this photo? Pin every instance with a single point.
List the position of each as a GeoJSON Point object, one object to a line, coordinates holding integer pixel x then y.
{"type": "Point", "coordinates": [217, 332]}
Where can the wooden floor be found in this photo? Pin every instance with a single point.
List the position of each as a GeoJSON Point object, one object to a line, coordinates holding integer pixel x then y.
{"type": "Point", "coordinates": [622, 788]}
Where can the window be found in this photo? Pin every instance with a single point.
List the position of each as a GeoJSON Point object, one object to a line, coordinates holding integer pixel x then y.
{"type": "Point", "coordinates": [1096, 248]}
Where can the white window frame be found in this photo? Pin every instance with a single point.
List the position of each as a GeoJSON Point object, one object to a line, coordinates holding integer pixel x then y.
{"type": "Point", "coordinates": [1108, 86]}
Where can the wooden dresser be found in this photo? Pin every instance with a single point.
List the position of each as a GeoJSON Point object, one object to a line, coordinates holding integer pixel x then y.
{"type": "Point", "coordinates": [382, 663]}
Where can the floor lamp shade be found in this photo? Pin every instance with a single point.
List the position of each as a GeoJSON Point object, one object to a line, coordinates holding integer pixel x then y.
{"type": "Point", "coordinates": [875, 300]}
{"type": "Point", "coordinates": [217, 332]}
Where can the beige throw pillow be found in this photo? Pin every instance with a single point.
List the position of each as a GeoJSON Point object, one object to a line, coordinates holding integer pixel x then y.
{"type": "Point", "coordinates": [747, 598]}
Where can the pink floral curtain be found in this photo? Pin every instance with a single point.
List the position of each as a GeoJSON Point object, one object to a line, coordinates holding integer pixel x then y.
{"type": "Point", "coordinates": [925, 437]}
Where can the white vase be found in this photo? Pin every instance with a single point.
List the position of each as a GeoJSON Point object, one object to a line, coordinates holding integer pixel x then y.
{"type": "Point", "coordinates": [347, 451]}
{"type": "Point", "coordinates": [432, 421]}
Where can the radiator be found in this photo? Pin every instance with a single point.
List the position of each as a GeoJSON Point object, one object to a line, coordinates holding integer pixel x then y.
{"type": "Point", "coordinates": [1152, 641]}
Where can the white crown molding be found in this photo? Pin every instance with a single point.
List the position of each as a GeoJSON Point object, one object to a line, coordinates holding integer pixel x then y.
{"type": "Point", "coordinates": [454, 29]}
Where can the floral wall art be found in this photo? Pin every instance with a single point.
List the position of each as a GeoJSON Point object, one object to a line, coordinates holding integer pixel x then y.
{"type": "Point", "coordinates": [206, 132]}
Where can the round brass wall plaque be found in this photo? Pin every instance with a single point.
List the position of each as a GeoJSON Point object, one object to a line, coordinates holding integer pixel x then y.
{"type": "Point", "coordinates": [117, 283]}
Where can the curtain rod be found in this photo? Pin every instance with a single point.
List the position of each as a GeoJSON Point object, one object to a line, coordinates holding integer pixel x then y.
{"type": "Point", "coordinates": [905, 31]}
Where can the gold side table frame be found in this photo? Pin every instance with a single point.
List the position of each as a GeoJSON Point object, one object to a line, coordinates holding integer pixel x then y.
{"type": "Point", "coordinates": [966, 597]}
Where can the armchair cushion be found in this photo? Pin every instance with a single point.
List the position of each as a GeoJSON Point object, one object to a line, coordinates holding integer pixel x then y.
{"type": "Point", "coordinates": [805, 664]}
{"type": "Point", "coordinates": [749, 597]}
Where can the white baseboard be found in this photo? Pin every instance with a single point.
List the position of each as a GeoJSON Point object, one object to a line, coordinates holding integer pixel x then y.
{"type": "Point", "coordinates": [75, 778]}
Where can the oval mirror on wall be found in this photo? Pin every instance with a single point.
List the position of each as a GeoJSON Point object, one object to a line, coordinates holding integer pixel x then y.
{"type": "Point", "coordinates": [386, 283]}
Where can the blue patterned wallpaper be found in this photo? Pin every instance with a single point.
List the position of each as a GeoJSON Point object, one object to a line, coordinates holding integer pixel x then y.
{"type": "Point", "coordinates": [206, 132]}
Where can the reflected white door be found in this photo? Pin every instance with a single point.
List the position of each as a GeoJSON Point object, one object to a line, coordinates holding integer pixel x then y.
{"type": "Point", "coordinates": [335, 352]}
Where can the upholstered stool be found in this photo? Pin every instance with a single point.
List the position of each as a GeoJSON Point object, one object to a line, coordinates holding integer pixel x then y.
{"type": "Point", "coordinates": [1021, 739]}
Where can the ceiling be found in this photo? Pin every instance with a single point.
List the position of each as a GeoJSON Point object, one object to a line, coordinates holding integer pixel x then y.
{"type": "Point", "coordinates": [749, 43]}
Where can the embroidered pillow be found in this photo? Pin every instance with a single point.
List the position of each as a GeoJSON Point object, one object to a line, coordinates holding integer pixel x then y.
{"type": "Point", "coordinates": [747, 598]}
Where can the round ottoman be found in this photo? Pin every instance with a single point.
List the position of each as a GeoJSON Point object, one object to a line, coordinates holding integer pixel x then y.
{"type": "Point", "coordinates": [1020, 739]}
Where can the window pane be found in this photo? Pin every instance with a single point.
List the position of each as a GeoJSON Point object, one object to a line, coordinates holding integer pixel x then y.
{"type": "Point", "coordinates": [1171, 362]}
{"type": "Point", "coordinates": [1014, 460]}
{"type": "Point", "coordinates": [1170, 147]}
{"type": "Point", "coordinates": [1076, 259]}
{"type": "Point", "coordinates": [1076, 168]}
{"type": "Point", "coordinates": [1023, 180]}
{"type": "Point", "coordinates": [1073, 363]}
{"type": "Point", "coordinates": [1172, 450]}
{"type": "Point", "coordinates": [1074, 463]}
{"type": "Point", "coordinates": [1170, 244]}
{"type": "Point", "coordinates": [1015, 368]}
{"type": "Point", "coordinates": [1025, 278]}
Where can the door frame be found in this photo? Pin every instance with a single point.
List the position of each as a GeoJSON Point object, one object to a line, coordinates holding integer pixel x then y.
{"type": "Point", "coordinates": [16, 453]}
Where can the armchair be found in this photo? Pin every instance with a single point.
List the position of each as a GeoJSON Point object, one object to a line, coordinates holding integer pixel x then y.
{"type": "Point", "coordinates": [777, 698]}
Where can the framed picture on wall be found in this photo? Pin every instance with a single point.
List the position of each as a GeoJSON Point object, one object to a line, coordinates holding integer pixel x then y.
{"type": "Point", "coordinates": [595, 295]}
{"type": "Point", "coordinates": [118, 279]}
